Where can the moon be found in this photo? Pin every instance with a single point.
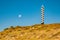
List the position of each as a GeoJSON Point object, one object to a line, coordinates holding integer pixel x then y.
{"type": "Point", "coordinates": [19, 16]}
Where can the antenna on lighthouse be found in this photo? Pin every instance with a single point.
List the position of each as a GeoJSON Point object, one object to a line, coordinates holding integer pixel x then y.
{"type": "Point", "coordinates": [42, 10]}
{"type": "Point", "coordinates": [42, 14]}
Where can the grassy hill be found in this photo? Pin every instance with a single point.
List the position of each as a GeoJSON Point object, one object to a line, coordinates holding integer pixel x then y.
{"type": "Point", "coordinates": [34, 32]}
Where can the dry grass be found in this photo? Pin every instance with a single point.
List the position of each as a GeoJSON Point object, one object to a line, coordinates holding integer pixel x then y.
{"type": "Point", "coordinates": [35, 32]}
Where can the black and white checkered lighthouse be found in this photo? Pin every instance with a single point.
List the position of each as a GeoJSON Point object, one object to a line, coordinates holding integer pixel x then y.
{"type": "Point", "coordinates": [42, 14]}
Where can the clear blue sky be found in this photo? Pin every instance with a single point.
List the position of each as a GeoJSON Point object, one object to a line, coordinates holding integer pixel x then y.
{"type": "Point", "coordinates": [30, 11]}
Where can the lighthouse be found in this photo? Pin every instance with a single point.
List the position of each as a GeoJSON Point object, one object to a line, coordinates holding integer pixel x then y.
{"type": "Point", "coordinates": [42, 14]}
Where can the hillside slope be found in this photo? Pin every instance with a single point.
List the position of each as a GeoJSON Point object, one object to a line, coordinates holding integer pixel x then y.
{"type": "Point", "coordinates": [35, 32]}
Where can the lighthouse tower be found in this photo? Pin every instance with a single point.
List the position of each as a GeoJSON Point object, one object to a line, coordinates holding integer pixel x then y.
{"type": "Point", "coordinates": [42, 14]}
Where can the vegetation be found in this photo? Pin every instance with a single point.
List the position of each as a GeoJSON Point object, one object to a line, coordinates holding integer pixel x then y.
{"type": "Point", "coordinates": [34, 32]}
{"type": "Point", "coordinates": [6, 29]}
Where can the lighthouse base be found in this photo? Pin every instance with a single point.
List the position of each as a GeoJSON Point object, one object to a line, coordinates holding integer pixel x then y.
{"type": "Point", "coordinates": [42, 23]}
